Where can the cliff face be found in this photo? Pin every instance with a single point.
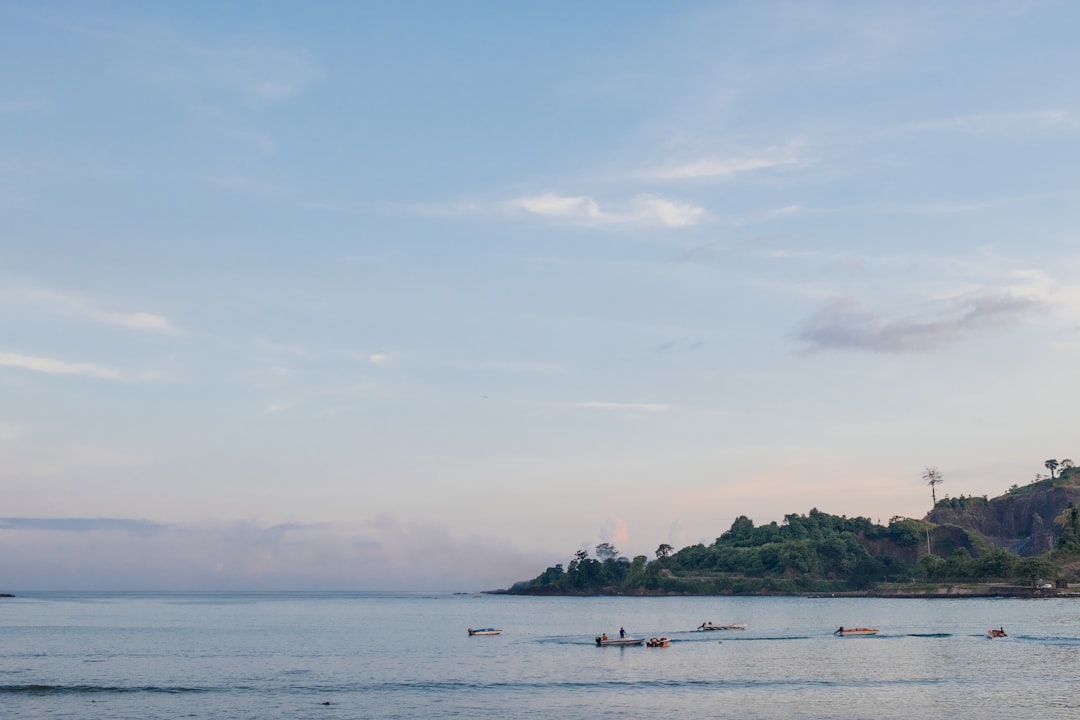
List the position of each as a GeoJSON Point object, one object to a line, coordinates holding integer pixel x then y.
{"type": "Point", "coordinates": [1021, 521]}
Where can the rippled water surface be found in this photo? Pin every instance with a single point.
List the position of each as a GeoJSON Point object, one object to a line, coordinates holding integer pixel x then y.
{"type": "Point", "coordinates": [405, 655]}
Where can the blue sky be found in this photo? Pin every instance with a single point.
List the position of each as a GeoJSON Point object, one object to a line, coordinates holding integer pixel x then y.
{"type": "Point", "coordinates": [430, 295]}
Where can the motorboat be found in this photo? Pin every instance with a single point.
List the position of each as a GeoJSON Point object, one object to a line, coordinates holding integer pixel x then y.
{"type": "Point", "coordinates": [843, 631]}
{"type": "Point", "coordinates": [657, 642]}
{"type": "Point", "coordinates": [711, 626]}
{"type": "Point", "coordinates": [996, 633]}
{"type": "Point", "coordinates": [605, 641]}
{"type": "Point", "coordinates": [485, 631]}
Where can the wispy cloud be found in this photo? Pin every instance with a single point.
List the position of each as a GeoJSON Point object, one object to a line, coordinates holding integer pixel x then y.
{"type": "Point", "coordinates": [992, 123]}
{"type": "Point", "coordinates": [168, 60]}
{"type": "Point", "coordinates": [844, 324]}
{"type": "Point", "coordinates": [283, 349]}
{"type": "Point", "coordinates": [248, 185]}
{"type": "Point", "coordinates": [586, 210]}
{"type": "Point", "coordinates": [721, 167]}
{"type": "Point", "coordinates": [788, 210]}
{"type": "Point", "coordinates": [81, 306]}
{"type": "Point", "coordinates": [276, 408]}
{"type": "Point", "coordinates": [380, 359]}
{"type": "Point", "coordinates": [51, 366]}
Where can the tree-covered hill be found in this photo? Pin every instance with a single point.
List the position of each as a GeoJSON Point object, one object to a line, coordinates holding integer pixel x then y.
{"type": "Point", "coordinates": [1029, 535]}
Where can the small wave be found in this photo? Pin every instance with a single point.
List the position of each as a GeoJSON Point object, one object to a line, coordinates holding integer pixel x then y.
{"type": "Point", "coordinates": [930, 635]}
{"type": "Point", "coordinates": [92, 689]}
{"type": "Point", "coordinates": [645, 686]}
{"type": "Point", "coordinates": [1048, 639]}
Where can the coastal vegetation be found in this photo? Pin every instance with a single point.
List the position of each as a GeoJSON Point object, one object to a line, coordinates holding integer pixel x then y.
{"type": "Point", "coordinates": [1026, 539]}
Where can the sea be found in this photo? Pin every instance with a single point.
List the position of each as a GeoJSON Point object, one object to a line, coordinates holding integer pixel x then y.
{"type": "Point", "coordinates": [339, 655]}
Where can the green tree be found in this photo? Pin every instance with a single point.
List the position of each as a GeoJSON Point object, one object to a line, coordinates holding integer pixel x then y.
{"type": "Point", "coordinates": [1069, 520]}
{"type": "Point", "coordinates": [1052, 466]}
{"type": "Point", "coordinates": [959, 564]}
{"type": "Point", "coordinates": [663, 551]}
{"type": "Point", "coordinates": [931, 566]}
{"type": "Point", "coordinates": [741, 532]}
{"type": "Point", "coordinates": [606, 551]}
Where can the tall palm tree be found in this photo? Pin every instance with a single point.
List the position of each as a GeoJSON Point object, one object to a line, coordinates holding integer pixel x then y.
{"type": "Point", "coordinates": [932, 476]}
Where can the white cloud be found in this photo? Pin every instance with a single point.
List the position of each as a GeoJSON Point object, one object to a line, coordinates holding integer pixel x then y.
{"type": "Point", "coordinates": [585, 210]}
{"type": "Point", "coordinates": [81, 306]}
{"type": "Point", "coordinates": [724, 167]}
{"type": "Point", "coordinates": [133, 321]}
{"type": "Point", "coordinates": [380, 359]}
{"type": "Point", "coordinates": [57, 367]}
{"type": "Point", "coordinates": [668, 212]}
{"type": "Point", "coordinates": [788, 210]}
{"type": "Point", "coordinates": [282, 349]}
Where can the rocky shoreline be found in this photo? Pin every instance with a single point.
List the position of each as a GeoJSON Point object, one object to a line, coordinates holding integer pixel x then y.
{"type": "Point", "coordinates": [926, 593]}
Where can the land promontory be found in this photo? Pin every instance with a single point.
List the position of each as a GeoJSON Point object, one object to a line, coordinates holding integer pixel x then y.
{"type": "Point", "coordinates": [1025, 543]}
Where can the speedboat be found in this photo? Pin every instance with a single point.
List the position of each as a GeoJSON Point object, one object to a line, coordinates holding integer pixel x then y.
{"type": "Point", "coordinates": [603, 641]}
{"type": "Point", "coordinates": [657, 642]}
{"type": "Point", "coordinates": [732, 626]}
{"type": "Point", "coordinates": [485, 631]}
{"type": "Point", "coordinates": [856, 631]}
{"type": "Point", "coordinates": [996, 633]}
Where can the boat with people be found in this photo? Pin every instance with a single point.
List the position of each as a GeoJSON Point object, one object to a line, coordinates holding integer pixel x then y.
{"type": "Point", "coordinates": [658, 642]}
{"type": "Point", "coordinates": [484, 631]}
{"type": "Point", "coordinates": [624, 641]}
{"type": "Point", "coordinates": [996, 633]}
{"type": "Point", "coordinates": [843, 631]}
{"type": "Point", "coordinates": [730, 626]}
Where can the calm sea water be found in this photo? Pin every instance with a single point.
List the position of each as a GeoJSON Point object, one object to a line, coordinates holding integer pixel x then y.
{"type": "Point", "coordinates": [401, 655]}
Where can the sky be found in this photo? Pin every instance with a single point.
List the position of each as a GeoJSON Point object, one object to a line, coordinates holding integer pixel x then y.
{"type": "Point", "coordinates": [428, 295]}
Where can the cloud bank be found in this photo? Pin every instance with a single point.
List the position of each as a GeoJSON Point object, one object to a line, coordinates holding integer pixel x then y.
{"type": "Point", "coordinates": [380, 554]}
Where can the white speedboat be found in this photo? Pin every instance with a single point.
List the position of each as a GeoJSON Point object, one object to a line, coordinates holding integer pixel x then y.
{"type": "Point", "coordinates": [604, 641]}
{"type": "Point", "coordinates": [485, 631]}
{"type": "Point", "coordinates": [732, 626]}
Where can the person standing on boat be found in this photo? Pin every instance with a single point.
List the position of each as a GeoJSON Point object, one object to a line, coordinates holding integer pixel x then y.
{"type": "Point", "coordinates": [622, 632]}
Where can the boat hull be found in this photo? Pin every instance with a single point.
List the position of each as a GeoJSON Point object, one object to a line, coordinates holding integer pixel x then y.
{"type": "Point", "coordinates": [485, 631]}
{"type": "Point", "coordinates": [618, 642]}
{"type": "Point", "coordinates": [857, 631]}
